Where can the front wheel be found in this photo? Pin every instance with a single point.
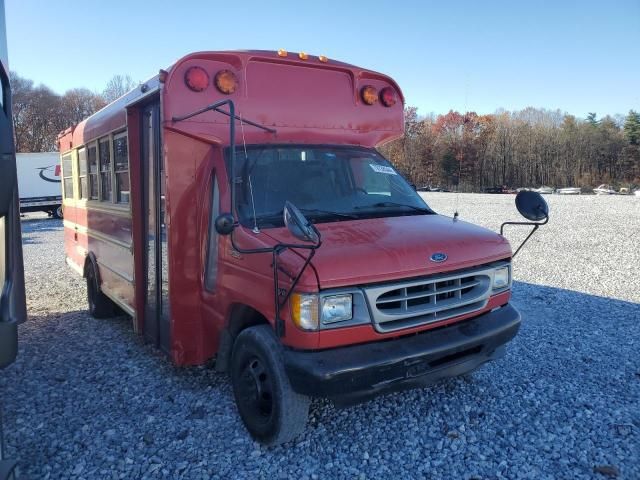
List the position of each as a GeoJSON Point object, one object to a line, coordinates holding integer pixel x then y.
{"type": "Point", "coordinates": [270, 409]}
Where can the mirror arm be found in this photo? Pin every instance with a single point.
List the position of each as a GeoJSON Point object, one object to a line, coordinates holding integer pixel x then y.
{"type": "Point", "coordinates": [275, 252]}
{"type": "Point", "coordinates": [535, 225]}
{"type": "Point", "coordinates": [279, 303]}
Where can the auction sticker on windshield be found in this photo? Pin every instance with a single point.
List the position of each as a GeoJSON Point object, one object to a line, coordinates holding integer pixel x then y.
{"type": "Point", "coordinates": [382, 169]}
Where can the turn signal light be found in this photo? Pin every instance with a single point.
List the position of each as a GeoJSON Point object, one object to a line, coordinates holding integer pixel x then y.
{"type": "Point", "coordinates": [304, 311]}
{"type": "Point", "coordinates": [388, 97]}
{"type": "Point", "coordinates": [369, 94]}
{"type": "Point", "coordinates": [226, 82]}
{"type": "Point", "coordinates": [196, 78]}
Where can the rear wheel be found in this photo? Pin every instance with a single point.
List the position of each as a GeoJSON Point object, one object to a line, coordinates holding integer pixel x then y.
{"type": "Point", "coordinates": [100, 306]}
{"type": "Point", "coordinates": [58, 213]}
{"type": "Point", "coordinates": [270, 409]}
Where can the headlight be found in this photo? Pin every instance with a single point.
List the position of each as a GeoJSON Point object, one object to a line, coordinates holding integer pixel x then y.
{"type": "Point", "coordinates": [336, 308]}
{"type": "Point", "coordinates": [308, 310]}
{"type": "Point", "coordinates": [501, 277]}
{"type": "Point", "coordinates": [304, 310]}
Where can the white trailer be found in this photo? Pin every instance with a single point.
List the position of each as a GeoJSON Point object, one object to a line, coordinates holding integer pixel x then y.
{"type": "Point", "coordinates": [39, 183]}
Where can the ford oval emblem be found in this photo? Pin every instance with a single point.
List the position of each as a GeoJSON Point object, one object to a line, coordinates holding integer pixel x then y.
{"type": "Point", "coordinates": [438, 257]}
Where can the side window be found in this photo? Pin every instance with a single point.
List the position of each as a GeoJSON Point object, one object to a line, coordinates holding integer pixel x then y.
{"type": "Point", "coordinates": [211, 270]}
{"type": "Point", "coordinates": [121, 164]}
{"type": "Point", "coordinates": [92, 160]}
{"type": "Point", "coordinates": [67, 175]}
{"type": "Point", "coordinates": [82, 172]}
{"type": "Point", "coordinates": [104, 153]}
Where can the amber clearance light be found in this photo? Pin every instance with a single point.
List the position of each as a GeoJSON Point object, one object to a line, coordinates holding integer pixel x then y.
{"type": "Point", "coordinates": [196, 78]}
{"type": "Point", "coordinates": [388, 97]}
{"type": "Point", "coordinates": [226, 82]}
{"type": "Point", "coordinates": [369, 94]}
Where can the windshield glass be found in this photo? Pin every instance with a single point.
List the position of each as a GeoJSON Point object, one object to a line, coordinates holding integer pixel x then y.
{"type": "Point", "coordinates": [326, 183]}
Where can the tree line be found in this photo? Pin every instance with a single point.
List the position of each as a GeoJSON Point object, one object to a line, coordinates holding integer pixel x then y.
{"type": "Point", "coordinates": [461, 151]}
{"type": "Point", "coordinates": [40, 114]}
{"type": "Point", "coordinates": [526, 148]}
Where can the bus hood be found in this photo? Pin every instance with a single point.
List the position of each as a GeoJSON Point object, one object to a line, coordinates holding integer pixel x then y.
{"type": "Point", "coordinates": [384, 249]}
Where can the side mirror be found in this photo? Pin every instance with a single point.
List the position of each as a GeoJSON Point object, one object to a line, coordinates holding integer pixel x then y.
{"type": "Point", "coordinates": [225, 223]}
{"type": "Point", "coordinates": [532, 206]}
{"type": "Point", "coordinates": [298, 224]}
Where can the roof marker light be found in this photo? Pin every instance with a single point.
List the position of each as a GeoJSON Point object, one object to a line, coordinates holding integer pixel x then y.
{"type": "Point", "coordinates": [369, 94]}
{"type": "Point", "coordinates": [388, 97]}
{"type": "Point", "coordinates": [196, 78]}
{"type": "Point", "coordinates": [303, 56]}
{"type": "Point", "coordinates": [282, 52]}
{"type": "Point", "coordinates": [323, 59]}
{"type": "Point", "coordinates": [226, 82]}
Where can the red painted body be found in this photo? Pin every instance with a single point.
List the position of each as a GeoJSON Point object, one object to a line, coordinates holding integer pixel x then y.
{"type": "Point", "coordinates": [308, 102]}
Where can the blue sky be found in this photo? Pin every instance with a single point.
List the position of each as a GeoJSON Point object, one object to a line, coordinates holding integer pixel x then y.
{"type": "Point", "coordinates": [578, 56]}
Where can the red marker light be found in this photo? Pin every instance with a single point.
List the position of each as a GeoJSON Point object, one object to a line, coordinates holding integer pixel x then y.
{"type": "Point", "coordinates": [369, 94]}
{"type": "Point", "coordinates": [196, 78]}
{"type": "Point", "coordinates": [57, 171]}
{"type": "Point", "coordinates": [388, 97]}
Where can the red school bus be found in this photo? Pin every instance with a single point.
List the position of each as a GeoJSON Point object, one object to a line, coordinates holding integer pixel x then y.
{"type": "Point", "coordinates": [235, 206]}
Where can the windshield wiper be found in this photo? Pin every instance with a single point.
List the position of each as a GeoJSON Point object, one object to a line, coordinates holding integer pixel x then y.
{"type": "Point", "coordinates": [274, 218]}
{"type": "Point", "coordinates": [316, 211]}
{"type": "Point", "coordinates": [394, 204]}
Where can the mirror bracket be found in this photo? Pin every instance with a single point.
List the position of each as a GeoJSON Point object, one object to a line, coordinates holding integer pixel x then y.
{"type": "Point", "coordinates": [535, 225]}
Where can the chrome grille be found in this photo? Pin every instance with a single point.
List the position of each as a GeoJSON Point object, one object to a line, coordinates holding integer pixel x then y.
{"type": "Point", "coordinates": [408, 304]}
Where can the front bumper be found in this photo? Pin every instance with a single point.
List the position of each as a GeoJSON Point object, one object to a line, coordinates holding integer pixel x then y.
{"type": "Point", "coordinates": [355, 373]}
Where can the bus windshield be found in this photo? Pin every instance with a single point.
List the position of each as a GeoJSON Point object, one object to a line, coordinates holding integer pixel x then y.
{"type": "Point", "coordinates": [326, 183]}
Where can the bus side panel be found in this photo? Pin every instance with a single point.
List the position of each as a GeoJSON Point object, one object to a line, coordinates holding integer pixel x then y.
{"type": "Point", "coordinates": [183, 157]}
{"type": "Point", "coordinates": [73, 248]}
{"type": "Point", "coordinates": [108, 236]}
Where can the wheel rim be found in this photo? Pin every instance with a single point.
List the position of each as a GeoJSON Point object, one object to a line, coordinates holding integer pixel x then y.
{"type": "Point", "coordinates": [255, 389]}
{"type": "Point", "coordinates": [59, 212]}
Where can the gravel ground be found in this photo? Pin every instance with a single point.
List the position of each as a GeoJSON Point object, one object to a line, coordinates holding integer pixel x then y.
{"type": "Point", "coordinates": [87, 399]}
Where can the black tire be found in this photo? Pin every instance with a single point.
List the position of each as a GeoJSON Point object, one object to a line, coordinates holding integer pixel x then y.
{"type": "Point", "coordinates": [100, 306]}
{"type": "Point", "coordinates": [270, 409]}
{"type": "Point", "coordinates": [58, 212]}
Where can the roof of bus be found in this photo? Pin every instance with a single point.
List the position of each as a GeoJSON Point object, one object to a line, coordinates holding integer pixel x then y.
{"type": "Point", "coordinates": [113, 117]}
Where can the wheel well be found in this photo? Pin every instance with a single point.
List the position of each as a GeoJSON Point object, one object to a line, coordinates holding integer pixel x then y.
{"type": "Point", "coordinates": [241, 317]}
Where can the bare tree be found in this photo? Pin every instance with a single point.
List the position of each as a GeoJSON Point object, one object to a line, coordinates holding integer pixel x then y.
{"type": "Point", "coordinates": [77, 104]}
{"type": "Point", "coordinates": [117, 86]}
{"type": "Point", "coordinates": [39, 114]}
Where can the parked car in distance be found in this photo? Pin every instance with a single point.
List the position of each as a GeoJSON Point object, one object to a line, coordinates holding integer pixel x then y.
{"type": "Point", "coordinates": [604, 189]}
{"type": "Point", "coordinates": [502, 189]}
{"type": "Point", "coordinates": [569, 191]}
{"type": "Point", "coordinates": [428, 188]}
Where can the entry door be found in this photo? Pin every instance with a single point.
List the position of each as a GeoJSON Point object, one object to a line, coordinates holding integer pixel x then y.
{"type": "Point", "coordinates": [156, 312]}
